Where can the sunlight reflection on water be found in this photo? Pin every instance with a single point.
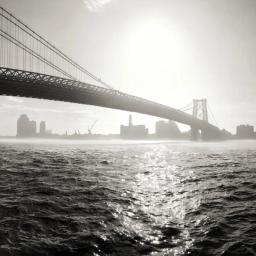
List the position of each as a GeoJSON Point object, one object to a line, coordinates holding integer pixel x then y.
{"type": "Point", "coordinates": [144, 198]}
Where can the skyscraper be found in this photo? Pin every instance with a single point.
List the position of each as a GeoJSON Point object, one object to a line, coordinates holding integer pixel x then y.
{"type": "Point", "coordinates": [245, 131]}
{"type": "Point", "coordinates": [25, 127]}
{"type": "Point", "coordinates": [42, 128]}
{"type": "Point", "coordinates": [32, 127]}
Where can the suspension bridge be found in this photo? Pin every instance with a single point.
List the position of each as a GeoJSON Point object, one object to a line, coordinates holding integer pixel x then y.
{"type": "Point", "coordinates": [31, 66]}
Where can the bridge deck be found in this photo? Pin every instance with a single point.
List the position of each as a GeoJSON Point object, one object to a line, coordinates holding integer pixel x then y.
{"type": "Point", "coordinates": [29, 84]}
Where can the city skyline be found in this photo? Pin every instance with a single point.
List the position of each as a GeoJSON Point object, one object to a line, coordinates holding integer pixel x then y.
{"type": "Point", "coordinates": [27, 128]}
{"type": "Point", "coordinates": [224, 75]}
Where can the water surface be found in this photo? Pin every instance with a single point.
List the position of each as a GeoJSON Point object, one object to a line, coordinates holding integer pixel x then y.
{"type": "Point", "coordinates": [116, 198]}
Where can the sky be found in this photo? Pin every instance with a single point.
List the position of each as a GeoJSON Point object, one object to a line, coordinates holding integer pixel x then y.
{"type": "Point", "coordinates": [168, 51]}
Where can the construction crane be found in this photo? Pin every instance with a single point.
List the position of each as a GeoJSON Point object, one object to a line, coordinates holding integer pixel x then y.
{"type": "Point", "coordinates": [91, 127]}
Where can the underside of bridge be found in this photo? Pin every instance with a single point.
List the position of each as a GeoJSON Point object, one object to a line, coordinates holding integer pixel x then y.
{"type": "Point", "coordinates": [29, 84]}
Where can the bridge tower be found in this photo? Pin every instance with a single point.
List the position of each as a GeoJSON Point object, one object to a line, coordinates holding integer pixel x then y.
{"type": "Point", "coordinates": [199, 111]}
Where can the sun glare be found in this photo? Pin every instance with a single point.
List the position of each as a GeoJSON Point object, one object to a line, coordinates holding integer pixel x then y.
{"type": "Point", "coordinates": [153, 48]}
{"type": "Point", "coordinates": [155, 60]}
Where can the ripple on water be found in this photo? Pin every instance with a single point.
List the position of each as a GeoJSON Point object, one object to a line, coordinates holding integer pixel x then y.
{"type": "Point", "coordinates": [166, 199]}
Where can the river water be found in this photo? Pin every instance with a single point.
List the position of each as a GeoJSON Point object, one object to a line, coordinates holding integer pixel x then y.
{"type": "Point", "coordinates": [133, 198]}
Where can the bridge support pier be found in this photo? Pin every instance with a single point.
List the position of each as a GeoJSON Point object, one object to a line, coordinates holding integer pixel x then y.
{"type": "Point", "coordinates": [194, 134]}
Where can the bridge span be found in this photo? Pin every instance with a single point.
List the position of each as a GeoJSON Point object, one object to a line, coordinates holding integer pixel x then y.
{"type": "Point", "coordinates": [30, 66]}
{"type": "Point", "coordinates": [35, 85]}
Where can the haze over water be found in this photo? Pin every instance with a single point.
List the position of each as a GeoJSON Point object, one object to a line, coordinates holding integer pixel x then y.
{"type": "Point", "coordinates": [127, 198]}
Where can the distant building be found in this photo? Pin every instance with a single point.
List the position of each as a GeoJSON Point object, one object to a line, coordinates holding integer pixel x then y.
{"type": "Point", "coordinates": [33, 128]}
{"type": "Point", "coordinates": [25, 127]}
{"type": "Point", "coordinates": [167, 130]}
{"type": "Point", "coordinates": [133, 131]}
{"type": "Point", "coordinates": [245, 131]}
{"type": "Point", "coordinates": [42, 128]}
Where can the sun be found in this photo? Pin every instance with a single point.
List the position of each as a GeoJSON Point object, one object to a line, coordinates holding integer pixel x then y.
{"type": "Point", "coordinates": [154, 60]}
{"type": "Point", "coordinates": [161, 62]}
{"type": "Point", "coordinates": [153, 48]}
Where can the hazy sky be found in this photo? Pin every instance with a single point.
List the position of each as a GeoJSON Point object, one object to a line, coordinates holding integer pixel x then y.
{"type": "Point", "coordinates": [169, 51]}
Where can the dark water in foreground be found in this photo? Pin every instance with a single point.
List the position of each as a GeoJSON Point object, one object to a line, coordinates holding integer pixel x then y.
{"type": "Point", "coordinates": [171, 198]}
